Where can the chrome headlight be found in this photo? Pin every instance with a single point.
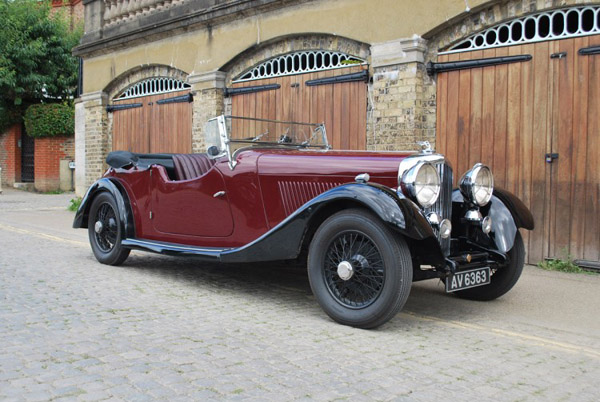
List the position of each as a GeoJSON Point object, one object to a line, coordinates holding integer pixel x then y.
{"type": "Point", "coordinates": [421, 183]}
{"type": "Point", "coordinates": [477, 185]}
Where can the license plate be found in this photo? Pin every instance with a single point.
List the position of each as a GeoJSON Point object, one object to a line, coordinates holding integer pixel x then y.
{"type": "Point", "coordinates": [468, 279]}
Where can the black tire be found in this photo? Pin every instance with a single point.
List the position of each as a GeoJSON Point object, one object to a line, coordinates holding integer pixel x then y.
{"type": "Point", "coordinates": [380, 273]}
{"type": "Point", "coordinates": [503, 279]}
{"type": "Point", "coordinates": [105, 238]}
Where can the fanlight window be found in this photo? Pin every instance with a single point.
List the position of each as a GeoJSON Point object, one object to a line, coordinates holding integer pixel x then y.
{"type": "Point", "coordinates": [557, 24]}
{"type": "Point", "coordinates": [153, 86]}
{"type": "Point", "coordinates": [299, 62]}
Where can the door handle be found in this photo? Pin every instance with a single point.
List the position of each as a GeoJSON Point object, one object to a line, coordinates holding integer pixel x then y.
{"type": "Point", "coordinates": [219, 194]}
{"type": "Point", "coordinates": [550, 157]}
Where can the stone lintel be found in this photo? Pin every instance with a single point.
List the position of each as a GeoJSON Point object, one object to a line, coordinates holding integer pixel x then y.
{"type": "Point", "coordinates": [207, 80]}
{"type": "Point", "coordinates": [400, 51]}
{"type": "Point", "coordinates": [99, 96]}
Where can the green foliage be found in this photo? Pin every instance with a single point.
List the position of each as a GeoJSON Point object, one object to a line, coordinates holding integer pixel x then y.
{"type": "Point", "coordinates": [48, 120]}
{"type": "Point", "coordinates": [557, 264]}
{"type": "Point", "coordinates": [75, 203]}
{"type": "Point", "coordinates": [35, 56]}
{"type": "Point", "coordinates": [9, 115]}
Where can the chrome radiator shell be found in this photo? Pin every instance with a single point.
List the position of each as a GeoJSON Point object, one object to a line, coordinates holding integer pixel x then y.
{"type": "Point", "coordinates": [443, 206]}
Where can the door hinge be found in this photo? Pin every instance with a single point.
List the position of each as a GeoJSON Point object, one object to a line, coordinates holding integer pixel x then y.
{"type": "Point", "coordinates": [550, 157]}
{"type": "Point", "coordinates": [151, 215]}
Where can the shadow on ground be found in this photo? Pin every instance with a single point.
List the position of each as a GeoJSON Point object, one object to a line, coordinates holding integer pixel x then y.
{"type": "Point", "coordinates": [283, 283]}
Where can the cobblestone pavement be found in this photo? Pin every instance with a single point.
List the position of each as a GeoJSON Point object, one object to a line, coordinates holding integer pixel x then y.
{"type": "Point", "coordinates": [175, 329]}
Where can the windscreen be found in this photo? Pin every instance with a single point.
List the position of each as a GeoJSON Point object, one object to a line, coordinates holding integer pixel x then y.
{"type": "Point", "coordinates": [246, 131]}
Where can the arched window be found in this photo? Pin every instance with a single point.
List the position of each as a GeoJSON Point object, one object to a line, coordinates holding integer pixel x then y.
{"type": "Point", "coordinates": [549, 25]}
{"type": "Point", "coordinates": [299, 62]}
{"type": "Point", "coordinates": [153, 86]}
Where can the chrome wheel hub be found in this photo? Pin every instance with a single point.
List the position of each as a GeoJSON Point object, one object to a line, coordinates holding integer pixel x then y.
{"type": "Point", "coordinates": [98, 227]}
{"type": "Point", "coordinates": [345, 270]}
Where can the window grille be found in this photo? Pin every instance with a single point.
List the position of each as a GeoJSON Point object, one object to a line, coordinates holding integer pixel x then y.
{"type": "Point", "coordinates": [299, 62]}
{"type": "Point", "coordinates": [153, 86]}
{"type": "Point", "coordinates": [549, 25]}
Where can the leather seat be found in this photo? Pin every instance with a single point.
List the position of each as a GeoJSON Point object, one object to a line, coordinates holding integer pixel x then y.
{"type": "Point", "coordinates": [190, 166]}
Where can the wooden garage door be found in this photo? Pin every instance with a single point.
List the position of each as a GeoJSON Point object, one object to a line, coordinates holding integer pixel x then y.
{"type": "Point", "coordinates": [511, 116]}
{"type": "Point", "coordinates": [154, 124]}
{"type": "Point", "coordinates": [341, 106]}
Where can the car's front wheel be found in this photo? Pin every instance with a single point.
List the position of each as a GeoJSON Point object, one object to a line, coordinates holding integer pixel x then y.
{"type": "Point", "coordinates": [105, 232]}
{"type": "Point", "coordinates": [503, 279]}
{"type": "Point", "coordinates": [360, 271]}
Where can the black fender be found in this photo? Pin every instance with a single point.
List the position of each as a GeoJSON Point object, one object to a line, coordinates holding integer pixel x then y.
{"type": "Point", "coordinates": [520, 213]}
{"type": "Point", "coordinates": [285, 240]}
{"type": "Point", "coordinates": [115, 188]}
{"type": "Point", "coordinates": [508, 214]}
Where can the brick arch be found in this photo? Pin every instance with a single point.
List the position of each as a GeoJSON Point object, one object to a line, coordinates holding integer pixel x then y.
{"type": "Point", "coordinates": [288, 44]}
{"type": "Point", "coordinates": [486, 16]}
{"type": "Point", "coordinates": [137, 74]}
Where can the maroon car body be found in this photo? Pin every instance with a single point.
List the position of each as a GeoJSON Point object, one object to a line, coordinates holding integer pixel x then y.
{"type": "Point", "coordinates": [283, 199]}
{"type": "Point", "coordinates": [266, 187]}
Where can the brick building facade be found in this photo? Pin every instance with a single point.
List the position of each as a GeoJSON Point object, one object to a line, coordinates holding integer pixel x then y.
{"type": "Point", "coordinates": [416, 57]}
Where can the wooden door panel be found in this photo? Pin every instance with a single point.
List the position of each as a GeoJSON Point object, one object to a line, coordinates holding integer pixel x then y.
{"type": "Point", "coordinates": [590, 169]}
{"type": "Point", "coordinates": [510, 116]}
{"type": "Point", "coordinates": [129, 128]}
{"type": "Point", "coordinates": [153, 128]}
{"type": "Point", "coordinates": [342, 107]}
{"type": "Point", "coordinates": [170, 125]}
{"type": "Point", "coordinates": [562, 143]}
{"type": "Point", "coordinates": [540, 146]}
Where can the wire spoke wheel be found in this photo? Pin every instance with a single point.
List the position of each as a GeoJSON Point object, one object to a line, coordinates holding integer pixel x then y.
{"type": "Point", "coordinates": [105, 227]}
{"type": "Point", "coordinates": [360, 280]}
{"type": "Point", "coordinates": [105, 232]}
{"type": "Point", "coordinates": [359, 270]}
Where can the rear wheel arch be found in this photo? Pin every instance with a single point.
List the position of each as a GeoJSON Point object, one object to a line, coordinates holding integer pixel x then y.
{"type": "Point", "coordinates": [116, 189]}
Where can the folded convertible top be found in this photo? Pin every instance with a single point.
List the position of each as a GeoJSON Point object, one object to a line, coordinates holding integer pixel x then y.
{"type": "Point", "coordinates": [123, 159]}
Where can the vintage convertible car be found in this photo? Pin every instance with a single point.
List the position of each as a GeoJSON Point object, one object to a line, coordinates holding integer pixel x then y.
{"type": "Point", "coordinates": [367, 223]}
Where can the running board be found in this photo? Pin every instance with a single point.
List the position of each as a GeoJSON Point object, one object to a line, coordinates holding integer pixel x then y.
{"type": "Point", "coordinates": [207, 253]}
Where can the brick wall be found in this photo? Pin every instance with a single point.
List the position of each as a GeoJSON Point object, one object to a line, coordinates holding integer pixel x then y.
{"type": "Point", "coordinates": [10, 155]}
{"type": "Point", "coordinates": [49, 152]}
{"type": "Point", "coordinates": [72, 8]}
{"type": "Point", "coordinates": [403, 108]}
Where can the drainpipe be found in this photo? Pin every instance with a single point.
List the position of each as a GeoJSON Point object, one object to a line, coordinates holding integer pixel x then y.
{"type": "Point", "coordinates": [0, 180]}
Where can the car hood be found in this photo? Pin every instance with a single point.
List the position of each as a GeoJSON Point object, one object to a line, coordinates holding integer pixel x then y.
{"type": "Point", "coordinates": [330, 163]}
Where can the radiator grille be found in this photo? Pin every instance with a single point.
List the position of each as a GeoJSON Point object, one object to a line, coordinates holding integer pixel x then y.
{"type": "Point", "coordinates": [443, 206]}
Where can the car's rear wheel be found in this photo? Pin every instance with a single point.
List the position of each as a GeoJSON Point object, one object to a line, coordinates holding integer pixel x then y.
{"type": "Point", "coordinates": [503, 279]}
{"type": "Point", "coordinates": [359, 270]}
{"type": "Point", "coordinates": [105, 231]}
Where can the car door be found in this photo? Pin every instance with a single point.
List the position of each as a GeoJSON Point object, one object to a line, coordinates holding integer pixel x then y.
{"type": "Point", "coordinates": [197, 207]}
